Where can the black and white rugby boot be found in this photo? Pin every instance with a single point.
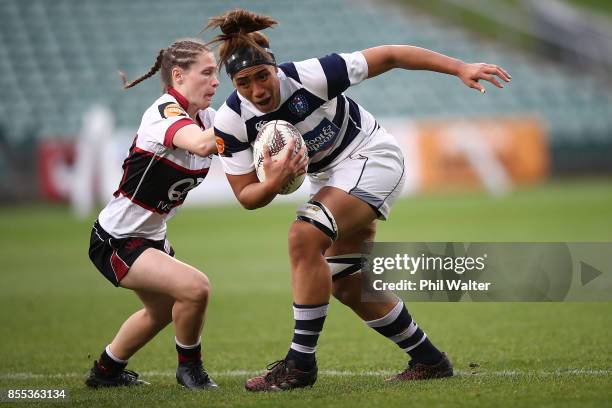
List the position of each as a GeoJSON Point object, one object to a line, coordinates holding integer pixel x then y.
{"type": "Point", "coordinates": [193, 376]}
{"type": "Point", "coordinates": [125, 378]}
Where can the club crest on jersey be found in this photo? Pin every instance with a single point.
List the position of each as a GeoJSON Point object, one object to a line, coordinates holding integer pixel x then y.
{"type": "Point", "coordinates": [298, 105]}
{"type": "Point", "coordinates": [170, 109]}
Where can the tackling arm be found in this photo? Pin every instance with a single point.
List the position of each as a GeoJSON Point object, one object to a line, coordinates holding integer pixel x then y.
{"type": "Point", "coordinates": [193, 139]}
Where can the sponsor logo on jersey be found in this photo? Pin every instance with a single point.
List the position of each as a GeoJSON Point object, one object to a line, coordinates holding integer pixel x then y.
{"type": "Point", "coordinates": [322, 137]}
{"type": "Point", "coordinates": [298, 105]}
{"type": "Point", "coordinates": [260, 124]}
{"type": "Point", "coordinates": [171, 109]}
{"type": "Point", "coordinates": [178, 191]}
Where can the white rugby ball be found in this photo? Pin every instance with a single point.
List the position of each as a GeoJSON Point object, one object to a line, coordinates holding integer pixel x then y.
{"type": "Point", "coordinates": [277, 134]}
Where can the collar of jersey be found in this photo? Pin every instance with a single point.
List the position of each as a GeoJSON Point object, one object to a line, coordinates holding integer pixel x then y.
{"type": "Point", "coordinates": [179, 98]}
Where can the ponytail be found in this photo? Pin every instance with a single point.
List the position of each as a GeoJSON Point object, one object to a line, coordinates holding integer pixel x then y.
{"type": "Point", "coordinates": [152, 71]}
{"type": "Point", "coordinates": [240, 31]}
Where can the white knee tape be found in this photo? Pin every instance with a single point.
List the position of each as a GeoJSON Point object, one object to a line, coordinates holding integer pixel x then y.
{"type": "Point", "coordinates": [344, 265]}
{"type": "Point", "coordinates": [318, 215]}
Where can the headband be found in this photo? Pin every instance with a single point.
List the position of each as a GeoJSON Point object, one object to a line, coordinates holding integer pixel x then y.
{"type": "Point", "coordinates": [247, 57]}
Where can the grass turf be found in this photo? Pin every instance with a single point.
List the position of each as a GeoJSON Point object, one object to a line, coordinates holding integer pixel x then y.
{"type": "Point", "coordinates": [57, 312]}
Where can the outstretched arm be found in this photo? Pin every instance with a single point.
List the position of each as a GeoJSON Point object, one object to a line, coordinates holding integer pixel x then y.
{"type": "Point", "coordinates": [386, 57]}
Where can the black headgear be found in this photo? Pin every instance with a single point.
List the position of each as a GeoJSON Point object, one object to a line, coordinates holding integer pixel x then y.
{"type": "Point", "coordinates": [247, 57]}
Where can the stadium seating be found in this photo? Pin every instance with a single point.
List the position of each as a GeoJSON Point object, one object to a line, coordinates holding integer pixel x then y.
{"type": "Point", "coordinates": [57, 58]}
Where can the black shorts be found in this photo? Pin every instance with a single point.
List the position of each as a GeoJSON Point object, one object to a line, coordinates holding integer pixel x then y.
{"type": "Point", "coordinates": [114, 256]}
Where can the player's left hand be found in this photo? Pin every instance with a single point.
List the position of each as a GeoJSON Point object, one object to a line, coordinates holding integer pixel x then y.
{"type": "Point", "coordinates": [470, 74]}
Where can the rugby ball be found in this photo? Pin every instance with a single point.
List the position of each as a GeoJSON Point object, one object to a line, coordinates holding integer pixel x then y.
{"type": "Point", "coordinates": [277, 134]}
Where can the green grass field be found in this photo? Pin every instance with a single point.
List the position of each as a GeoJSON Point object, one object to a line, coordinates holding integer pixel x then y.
{"type": "Point", "coordinates": [57, 312]}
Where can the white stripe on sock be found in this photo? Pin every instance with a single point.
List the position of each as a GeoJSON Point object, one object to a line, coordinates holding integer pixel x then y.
{"type": "Point", "coordinates": [303, 349]}
{"type": "Point", "coordinates": [309, 313]}
{"type": "Point", "coordinates": [405, 334]}
{"type": "Point", "coordinates": [306, 332]}
{"type": "Point", "coordinates": [389, 318]}
{"type": "Point", "coordinates": [178, 343]}
{"type": "Point", "coordinates": [407, 349]}
{"type": "Point", "coordinates": [114, 357]}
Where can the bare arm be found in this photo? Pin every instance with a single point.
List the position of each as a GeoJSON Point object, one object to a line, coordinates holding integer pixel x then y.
{"type": "Point", "coordinates": [195, 140]}
{"type": "Point", "coordinates": [254, 194]}
{"type": "Point", "coordinates": [386, 57]}
{"type": "Point", "coordinates": [250, 191]}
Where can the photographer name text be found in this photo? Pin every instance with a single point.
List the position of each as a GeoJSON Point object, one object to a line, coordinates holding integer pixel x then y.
{"type": "Point", "coordinates": [429, 264]}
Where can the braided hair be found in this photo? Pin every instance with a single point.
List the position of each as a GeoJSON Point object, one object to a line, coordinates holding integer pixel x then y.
{"type": "Point", "coordinates": [181, 53]}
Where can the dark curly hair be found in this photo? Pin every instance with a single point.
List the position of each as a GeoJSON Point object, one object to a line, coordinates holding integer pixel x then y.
{"type": "Point", "coordinates": [240, 29]}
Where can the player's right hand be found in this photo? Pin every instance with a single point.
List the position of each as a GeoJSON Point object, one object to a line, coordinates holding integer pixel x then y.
{"type": "Point", "coordinates": [471, 74]}
{"type": "Point", "coordinates": [285, 167]}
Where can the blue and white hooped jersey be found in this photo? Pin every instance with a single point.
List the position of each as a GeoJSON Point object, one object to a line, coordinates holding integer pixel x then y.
{"type": "Point", "coordinates": [157, 176]}
{"type": "Point", "coordinates": [312, 100]}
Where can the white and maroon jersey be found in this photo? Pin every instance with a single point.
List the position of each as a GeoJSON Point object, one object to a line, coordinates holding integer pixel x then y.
{"type": "Point", "coordinates": [156, 175]}
{"type": "Point", "coordinates": [312, 100]}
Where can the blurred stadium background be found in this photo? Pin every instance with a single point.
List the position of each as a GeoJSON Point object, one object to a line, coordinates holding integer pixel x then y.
{"type": "Point", "coordinates": [58, 59]}
{"type": "Point", "coordinates": [531, 162]}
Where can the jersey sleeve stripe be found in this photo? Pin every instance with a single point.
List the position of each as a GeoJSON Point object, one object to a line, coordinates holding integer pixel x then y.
{"type": "Point", "coordinates": [232, 144]}
{"type": "Point", "coordinates": [289, 69]}
{"type": "Point", "coordinates": [334, 68]}
{"type": "Point", "coordinates": [171, 131]}
{"type": "Point", "coordinates": [233, 102]}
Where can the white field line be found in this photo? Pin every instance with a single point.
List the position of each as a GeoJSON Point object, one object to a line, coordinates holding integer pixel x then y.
{"type": "Point", "coordinates": [336, 373]}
